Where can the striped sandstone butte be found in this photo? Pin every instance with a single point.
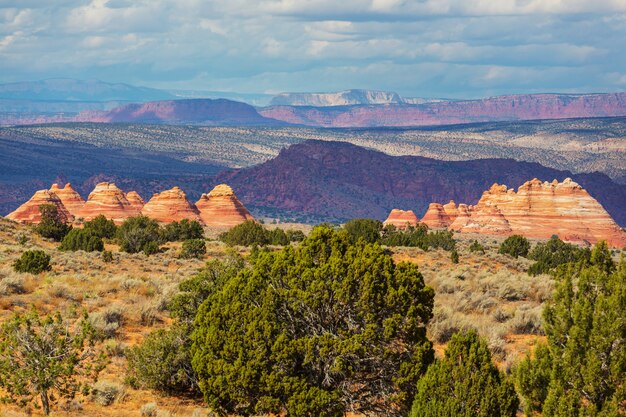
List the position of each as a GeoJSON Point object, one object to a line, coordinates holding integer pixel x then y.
{"type": "Point", "coordinates": [110, 201]}
{"type": "Point", "coordinates": [29, 211]}
{"type": "Point", "coordinates": [169, 206]}
{"type": "Point", "coordinates": [135, 200]}
{"type": "Point", "coordinates": [221, 208]}
{"type": "Point", "coordinates": [542, 209]}
{"type": "Point", "coordinates": [72, 201]}
{"type": "Point", "coordinates": [436, 217]}
{"type": "Point", "coordinates": [401, 219]}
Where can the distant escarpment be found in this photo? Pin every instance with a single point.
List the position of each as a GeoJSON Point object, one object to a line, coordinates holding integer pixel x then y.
{"type": "Point", "coordinates": [340, 181]}
{"type": "Point", "coordinates": [502, 108]}
{"type": "Point", "coordinates": [190, 111]}
{"type": "Point", "coordinates": [221, 209]}
{"type": "Point", "coordinates": [537, 209]}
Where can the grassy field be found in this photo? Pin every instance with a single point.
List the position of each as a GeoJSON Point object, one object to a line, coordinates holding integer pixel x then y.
{"type": "Point", "coordinates": [127, 299]}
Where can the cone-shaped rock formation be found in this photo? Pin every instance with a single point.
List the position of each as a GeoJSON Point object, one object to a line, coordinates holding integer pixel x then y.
{"type": "Point", "coordinates": [221, 208]}
{"type": "Point", "coordinates": [169, 206]}
{"type": "Point", "coordinates": [110, 201]}
{"type": "Point", "coordinates": [135, 200]}
{"type": "Point", "coordinates": [29, 211]}
{"type": "Point", "coordinates": [436, 217]}
{"type": "Point", "coordinates": [542, 209]}
{"type": "Point", "coordinates": [401, 219]}
{"type": "Point", "coordinates": [72, 201]}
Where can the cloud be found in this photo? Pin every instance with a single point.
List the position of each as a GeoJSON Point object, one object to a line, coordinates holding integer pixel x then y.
{"type": "Point", "coordinates": [450, 48]}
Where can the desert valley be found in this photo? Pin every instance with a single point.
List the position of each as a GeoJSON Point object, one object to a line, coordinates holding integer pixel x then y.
{"type": "Point", "coordinates": [313, 208]}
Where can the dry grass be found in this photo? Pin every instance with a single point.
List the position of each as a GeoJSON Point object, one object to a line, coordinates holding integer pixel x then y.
{"type": "Point", "coordinates": [127, 299]}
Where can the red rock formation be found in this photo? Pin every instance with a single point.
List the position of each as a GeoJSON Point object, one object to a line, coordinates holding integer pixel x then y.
{"type": "Point", "coordinates": [135, 200]}
{"type": "Point", "coordinates": [451, 210]}
{"type": "Point", "coordinates": [29, 211]}
{"type": "Point", "coordinates": [462, 218]}
{"type": "Point", "coordinates": [401, 219]}
{"type": "Point", "coordinates": [436, 217]}
{"type": "Point", "coordinates": [221, 208]}
{"type": "Point", "coordinates": [110, 201]}
{"type": "Point", "coordinates": [541, 209]}
{"type": "Point", "coordinates": [169, 206]}
{"type": "Point", "coordinates": [72, 201]}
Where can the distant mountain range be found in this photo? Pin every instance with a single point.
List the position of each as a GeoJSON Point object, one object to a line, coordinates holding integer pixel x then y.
{"type": "Point", "coordinates": [345, 98]}
{"type": "Point", "coordinates": [66, 100]}
{"type": "Point", "coordinates": [338, 180]}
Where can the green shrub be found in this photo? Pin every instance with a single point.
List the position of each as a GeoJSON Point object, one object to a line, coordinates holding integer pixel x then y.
{"type": "Point", "coordinates": [366, 229]}
{"type": "Point", "coordinates": [181, 231]}
{"type": "Point", "coordinates": [163, 362]}
{"type": "Point", "coordinates": [515, 246]}
{"type": "Point", "coordinates": [51, 225]}
{"type": "Point", "coordinates": [465, 383]}
{"type": "Point", "coordinates": [151, 248]}
{"type": "Point", "coordinates": [454, 256]}
{"type": "Point", "coordinates": [80, 239]}
{"type": "Point", "coordinates": [441, 239]}
{"type": "Point", "coordinates": [278, 237]}
{"type": "Point", "coordinates": [247, 233]}
{"type": "Point", "coordinates": [582, 372]}
{"type": "Point", "coordinates": [303, 327]}
{"type": "Point", "coordinates": [412, 236]}
{"type": "Point", "coordinates": [33, 261]}
{"type": "Point", "coordinates": [137, 232]}
{"type": "Point", "coordinates": [193, 248]}
{"type": "Point", "coordinates": [476, 247]}
{"type": "Point", "coordinates": [553, 253]}
{"type": "Point", "coordinates": [107, 256]}
{"type": "Point", "coordinates": [102, 227]}
{"type": "Point", "coordinates": [295, 235]}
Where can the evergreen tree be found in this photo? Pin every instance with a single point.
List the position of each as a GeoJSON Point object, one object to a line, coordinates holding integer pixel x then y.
{"type": "Point", "coordinates": [42, 358]}
{"type": "Point", "coordinates": [366, 229]}
{"type": "Point", "coordinates": [32, 261]}
{"type": "Point", "coordinates": [586, 330]}
{"type": "Point", "coordinates": [515, 246]}
{"type": "Point", "coordinates": [101, 226]}
{"type": "Point", "coordinates": [138, 234]}
{"type": "Point", "coordinates": [465, 383]}
{"type": "Point", "coordinates": [51, 225]}
{"type": "Point", "coordinates": [319, 329]}
{"type": "Point", "coordinates": [81, 239]}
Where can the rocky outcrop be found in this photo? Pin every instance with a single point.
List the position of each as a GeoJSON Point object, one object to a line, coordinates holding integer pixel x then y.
{"type": "Point", "coordinates": [542, 209]}
{"type": "Point", "coordinates": [110, 201]}
{"type": "Point", "coordinates": [462, 218]}
{"type": "Point", "coordinates": [221, 208]}
{"type": "Point", "coordinates": [29, 211]}
{"type": "Point", "coordinates": [436, 217]}
{"type": "Point", "coordinates": [340, 98]}
{"type": "Point", "coordinates": [451, 210]}
{"type": "Point", "coordinates": [502, 108]}
{"type": "Point", "coordinates": [169, 206]}
{"type": "Point", "coordinates": [72, 201]}
{"type": "Point", "coordinates": [401, 219]}
{"type": "Point", "coordinates": [135, 200]}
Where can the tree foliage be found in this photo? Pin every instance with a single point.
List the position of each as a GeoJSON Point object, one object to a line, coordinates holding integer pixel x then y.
{"type": "Point", "coordinates": [476, 247]}
{"type": "Point", "coordinates": [81, 239]}
{"type": "Point", "coordinates": [101, 226]}
{"type": "Point", "coordinates": [515, 246]}
{"type": "Point", "coordinates": [193, 248]}
{"type": "Point", "coordinates": [465, 383]}
{"type": "Point", "coordinates": [251, 233]}
{"type": "Point", "coordinates": [366, 229]}
{"type": "Point", "coordinates": [32, 261]}
{"type": "Point", "coordinates": [553, 253]}
{"type": "Point", "coordinates": [582, 371]}
{"type": "Point", "coordinates": [319, 329]}
{"type": "Point", "coordinates": [163, 361]}
{"type": "Point", "coordinates": [181, 231]}
{"type": "Point", "coordinates": [137, 234]}
{"type": "Point", "coordinates": [43, 357]}
{"type": "Point", "coordinates": [51, 225]}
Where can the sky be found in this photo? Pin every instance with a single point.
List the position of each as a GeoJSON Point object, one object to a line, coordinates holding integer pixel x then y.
{"type": "Point", "coordinates": [418, 48]}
